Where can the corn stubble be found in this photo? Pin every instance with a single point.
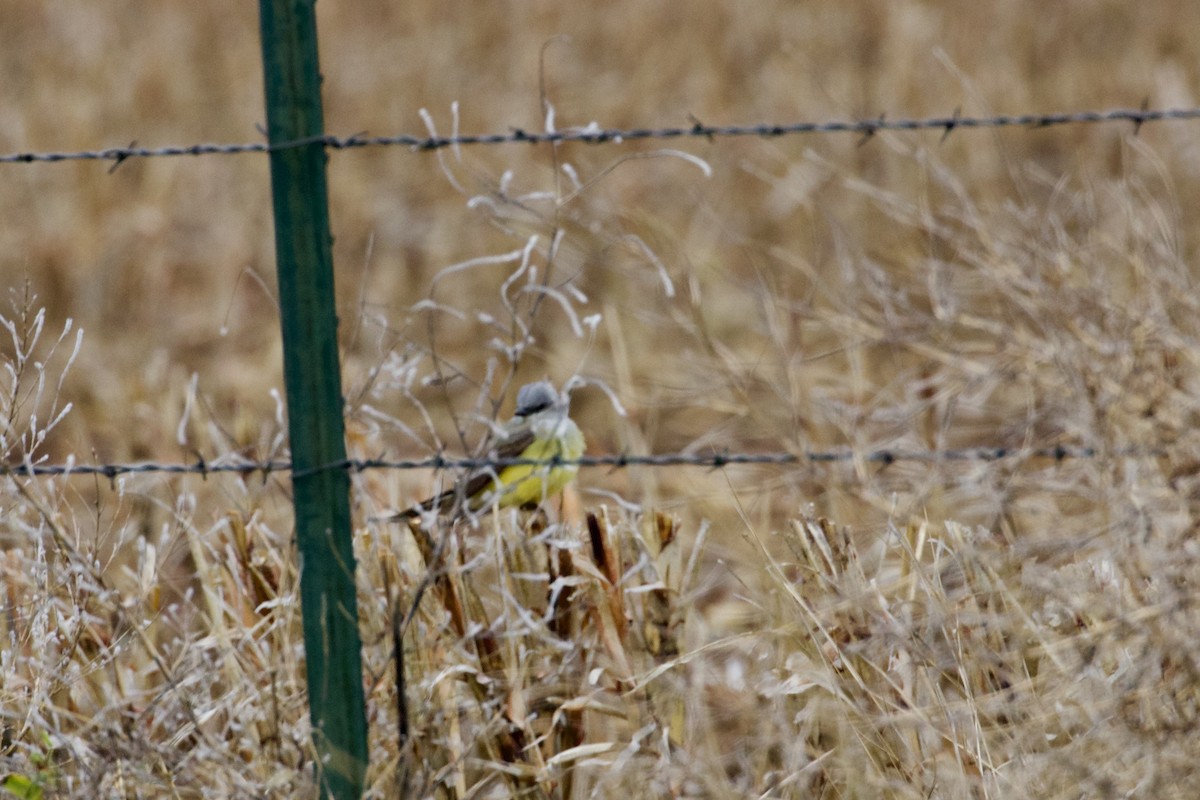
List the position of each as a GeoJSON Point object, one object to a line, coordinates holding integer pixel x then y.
{"type": "Point", "coordinates": [595, 662]}
{"type": "Point", "coordinates": [599, 658]}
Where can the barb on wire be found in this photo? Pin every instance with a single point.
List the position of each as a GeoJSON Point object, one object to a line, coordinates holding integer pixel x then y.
{"type": "Point", "coordinates": [619, 461]}
{"type": "Point", "coordinates": [594, 134]}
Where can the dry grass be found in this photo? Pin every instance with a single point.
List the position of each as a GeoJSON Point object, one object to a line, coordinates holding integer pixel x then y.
{"type": "Point", "coordinates": [1023, 628]}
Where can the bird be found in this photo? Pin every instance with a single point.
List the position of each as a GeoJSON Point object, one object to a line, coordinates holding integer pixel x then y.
{"type": "Point", "coordinates": [541, 429]}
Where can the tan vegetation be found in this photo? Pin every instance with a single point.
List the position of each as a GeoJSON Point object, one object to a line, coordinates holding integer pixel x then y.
{"type": "Point", "coordinates": [951, 628]}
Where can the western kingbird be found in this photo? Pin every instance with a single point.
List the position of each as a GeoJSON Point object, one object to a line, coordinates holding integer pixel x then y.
{"type": "Point", "coordinates": [540, 430]}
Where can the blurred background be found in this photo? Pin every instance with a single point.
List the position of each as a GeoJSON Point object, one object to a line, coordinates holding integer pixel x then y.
{"type": "Point", "coordinates": [727, 301]}
{"type": "Point", "coordinates": [810, 292]}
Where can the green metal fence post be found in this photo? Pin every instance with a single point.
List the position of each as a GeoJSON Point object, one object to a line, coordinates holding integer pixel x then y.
{"type": "Point", "coordinates": [314, 397]}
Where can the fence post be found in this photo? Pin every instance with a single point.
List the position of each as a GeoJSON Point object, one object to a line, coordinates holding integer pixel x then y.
{"type": "Point", "coordinates": [314, 397]}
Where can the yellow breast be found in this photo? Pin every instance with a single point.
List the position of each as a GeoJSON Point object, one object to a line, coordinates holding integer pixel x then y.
{"type": "Point", "coordinates": [529, 484]}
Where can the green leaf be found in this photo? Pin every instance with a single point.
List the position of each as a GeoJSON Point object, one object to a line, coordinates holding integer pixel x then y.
{"type": "Point", "coordinates": [22, 786]}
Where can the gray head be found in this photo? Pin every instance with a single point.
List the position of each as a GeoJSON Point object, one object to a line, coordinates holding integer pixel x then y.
{"type": "Point", "coordinates": [535, 397]}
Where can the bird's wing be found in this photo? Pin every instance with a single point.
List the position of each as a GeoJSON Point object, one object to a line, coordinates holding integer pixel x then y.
{"type": "Point", "coordinates": [507, 445]}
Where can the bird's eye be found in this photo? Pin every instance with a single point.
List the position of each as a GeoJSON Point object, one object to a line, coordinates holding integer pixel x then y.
{"type": "Point", "coordinates": [535, 397]}
{"type": "Point", "coordinates": [525, 411]}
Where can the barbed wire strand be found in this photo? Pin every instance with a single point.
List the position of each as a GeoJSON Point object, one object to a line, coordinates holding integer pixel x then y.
{"type": "Point", "coordinates": [593, 134]}
{"type": "Point", "coordinates": [620, 461]}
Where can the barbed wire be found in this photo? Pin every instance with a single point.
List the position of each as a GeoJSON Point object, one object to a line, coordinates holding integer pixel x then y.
{"type": "Point", "coordinates": [594, 134]}
{"type": "Point", "coordinates": [619, 461]}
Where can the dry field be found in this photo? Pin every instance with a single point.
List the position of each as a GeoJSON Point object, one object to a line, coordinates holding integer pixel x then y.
{"type": "Point", "coordinates": [1017, 628]}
